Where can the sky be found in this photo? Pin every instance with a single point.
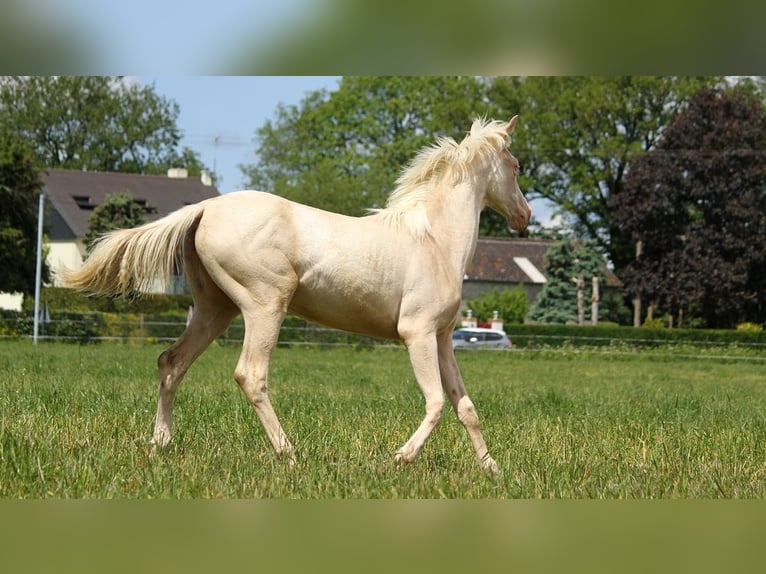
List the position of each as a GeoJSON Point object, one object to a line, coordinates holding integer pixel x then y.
{"type": "Point", "coordinates": [218, 115]}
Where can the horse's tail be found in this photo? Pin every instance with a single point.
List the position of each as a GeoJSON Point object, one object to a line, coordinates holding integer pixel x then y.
{"type": "Point", "coordinates": [132, 261]}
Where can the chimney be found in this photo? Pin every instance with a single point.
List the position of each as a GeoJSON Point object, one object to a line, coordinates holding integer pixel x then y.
{"type": "Point", "coordinates": [206, 178]}
{"type": "Point", "coordinates": [178, 173]}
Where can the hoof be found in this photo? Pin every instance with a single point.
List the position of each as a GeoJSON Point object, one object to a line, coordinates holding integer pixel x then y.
{"type": "Point", "coordinates": [157, 445]}
{"type": "Point", "coordinates": [488, 463]}
{"type": "Point", "coordinates": [401, 458]}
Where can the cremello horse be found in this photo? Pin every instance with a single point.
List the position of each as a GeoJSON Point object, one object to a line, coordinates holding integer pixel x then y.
{"type": "Point", "coordinates": [396, 273]}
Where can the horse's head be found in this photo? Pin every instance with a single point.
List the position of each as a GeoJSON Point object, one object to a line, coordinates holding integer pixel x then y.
{"type": "Point", "coordinates": [504, 194]}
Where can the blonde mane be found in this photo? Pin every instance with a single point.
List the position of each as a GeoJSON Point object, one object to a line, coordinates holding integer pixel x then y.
{"type": "Point", "coordinates": [407, 203]}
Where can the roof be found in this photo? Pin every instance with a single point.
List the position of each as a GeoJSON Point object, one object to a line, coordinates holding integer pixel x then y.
{"type": "Point", "coordinates": [513, 260]}
{"type": "Point", "coordinates": [508, 260]}
{"type": "Point", "coordinates": [74, 194]}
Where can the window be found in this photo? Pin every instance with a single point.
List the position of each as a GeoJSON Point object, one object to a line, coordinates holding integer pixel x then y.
{"type": "Point", "coordinates": [83, 202]}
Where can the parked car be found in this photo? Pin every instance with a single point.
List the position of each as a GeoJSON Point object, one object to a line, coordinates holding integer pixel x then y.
{"type": "Point", "coordinates": [480, 339]}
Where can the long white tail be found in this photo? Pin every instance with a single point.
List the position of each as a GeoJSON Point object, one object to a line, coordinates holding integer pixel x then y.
{"type": "Point", "coordinates": [131, 261]}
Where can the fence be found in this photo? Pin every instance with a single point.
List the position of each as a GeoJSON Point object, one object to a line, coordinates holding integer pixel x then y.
{"type": "Point", "coordinates": [102, 327]}
{"type": "Point", "coordinates": [98, 327]}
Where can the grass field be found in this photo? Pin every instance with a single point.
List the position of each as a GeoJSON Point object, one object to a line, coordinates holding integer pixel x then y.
{"type": "Point", "coordinates": [76, 422]}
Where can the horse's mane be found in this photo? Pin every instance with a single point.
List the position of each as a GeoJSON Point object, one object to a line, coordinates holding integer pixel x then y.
{"type": "Point", "coordinates": [407, 202]}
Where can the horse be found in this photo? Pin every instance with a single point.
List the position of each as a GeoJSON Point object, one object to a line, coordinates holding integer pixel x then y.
{"type": "Point", "coordinates": [394, 273]}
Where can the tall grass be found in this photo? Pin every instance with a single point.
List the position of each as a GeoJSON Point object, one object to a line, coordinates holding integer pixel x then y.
{"type": "Point", "coordinates": [75, 422]}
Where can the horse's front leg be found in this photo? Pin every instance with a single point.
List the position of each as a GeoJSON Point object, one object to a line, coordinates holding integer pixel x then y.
{"type": "Point", "coordinates": [424, 358]}
{"type": "Point", "coordinates": [453, 385]}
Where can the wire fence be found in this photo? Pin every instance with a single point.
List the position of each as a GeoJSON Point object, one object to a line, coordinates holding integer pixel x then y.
{"type": "Point", "coordinates": [311, 335]}
{"type": "Point", "coordinates": [122, 331]}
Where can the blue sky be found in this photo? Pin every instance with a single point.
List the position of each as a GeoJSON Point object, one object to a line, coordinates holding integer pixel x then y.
{"type": "Point", "coordinates": [230, 108]}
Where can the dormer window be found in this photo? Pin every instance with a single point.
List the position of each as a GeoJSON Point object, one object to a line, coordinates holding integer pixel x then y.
{"type": "Point", "coordinates": [84, 202]}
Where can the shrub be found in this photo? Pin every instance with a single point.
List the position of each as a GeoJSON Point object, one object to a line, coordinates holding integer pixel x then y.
{"type": "Point", "coordinates": [750, 327]}
{"type": "Point", "coordinates": [512, 305]}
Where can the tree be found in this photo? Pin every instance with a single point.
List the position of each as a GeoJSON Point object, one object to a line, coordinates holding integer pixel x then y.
{"type": "Point", "coordinates": [566, 259]}
{"type": "Point", "coordinates": [697, 203]}
{"type": "Point", "coordinates": [119, 211]}
{"type": "Point", "coordinates": [20, 187]}
{"type": "Point", "coordinates": [97, 123]}
{"type": "Point", "coordinates": [342, 151]}
{"type": "Point", "coordinates": [580, 135]}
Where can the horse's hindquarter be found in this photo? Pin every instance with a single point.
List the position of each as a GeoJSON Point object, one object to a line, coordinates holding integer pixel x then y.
{"type": "Point", "coordinates": [244, 240]}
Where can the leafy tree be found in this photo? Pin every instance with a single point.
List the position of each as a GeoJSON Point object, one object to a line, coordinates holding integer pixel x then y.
{"type": "Point", "coordinates": [20, 186]}
{"type": "Point", "coordinates": [119, 211]}
{"type": "Point", "coordinates": [512, 305]}
{"type": "Point", "coordinates": [98, 123]}
{"type": "Point", "coordinates": [580, 135]}
{"type": "Point", "coordinates": [566, 259]}
{"type": "Point", "coordinates": [698, 205]}
{"type": "Point", "coordinates": [343, 150]}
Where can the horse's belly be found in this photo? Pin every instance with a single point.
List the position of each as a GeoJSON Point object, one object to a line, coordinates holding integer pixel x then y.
{"type": "Point", "coordinates": [357, 312]}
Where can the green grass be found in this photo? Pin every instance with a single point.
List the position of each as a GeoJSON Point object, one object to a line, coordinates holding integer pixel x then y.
{"type": "Point", "coordinates": [75, 422]}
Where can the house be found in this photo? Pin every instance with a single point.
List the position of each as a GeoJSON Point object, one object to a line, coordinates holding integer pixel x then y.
{"type": "Point", "coordinates": [507, 262]}
{"type": "Point", "coordinates": [504, 263]}
{"type": "Point", "coordinates": [74, 195]}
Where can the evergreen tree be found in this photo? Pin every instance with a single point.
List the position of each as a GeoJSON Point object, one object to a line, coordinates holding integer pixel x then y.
{"type": "Point", "coordinates": [20, 186]}
{"type": "Point", "coordinates": [566, 259]}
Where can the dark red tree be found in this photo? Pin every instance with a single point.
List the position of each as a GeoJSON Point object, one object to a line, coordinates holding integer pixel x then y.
{"type": "Point", "coordinates": [697, 202]}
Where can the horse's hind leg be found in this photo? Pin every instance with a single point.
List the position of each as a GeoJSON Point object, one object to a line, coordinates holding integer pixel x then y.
{"type": "Point", "coordinates": [453, 385]}
{"type": "Point", "coordinates": [212, 314]}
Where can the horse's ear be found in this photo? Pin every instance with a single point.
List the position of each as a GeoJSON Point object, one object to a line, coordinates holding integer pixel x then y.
{"type": "Point", "coordinates": [511, 125]}
{"type": "Point", "coordinates": [475, 126]}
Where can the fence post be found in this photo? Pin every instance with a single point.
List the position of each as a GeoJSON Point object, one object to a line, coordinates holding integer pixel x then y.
{"type": "Point", "coordinates": [594, 303]}
{"type": "Point", "coordinates": [497, 322]}
{"type": "Point", "coordinates": [637, 298]}
{"type": "Point", "coordinates": [469, 321]}
{"type": "Point", "coordinates": [580, 282]}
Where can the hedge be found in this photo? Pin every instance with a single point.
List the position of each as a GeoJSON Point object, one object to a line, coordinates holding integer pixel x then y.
{"type": "Point", "coordinates": [94, 326]}
{"type": "Point", "coordinates": [62, 299]}
{"type": "Point", "coordinates": [556, 335]}
{"type": "Point", "coordinates": [80, 318]}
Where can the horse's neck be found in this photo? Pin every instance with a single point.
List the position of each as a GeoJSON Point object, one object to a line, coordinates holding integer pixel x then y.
{"type": "Point", "coordinates": [455, 221]}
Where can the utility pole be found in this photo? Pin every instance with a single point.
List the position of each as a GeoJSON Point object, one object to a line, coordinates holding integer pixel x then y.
{"type": "Point", "coordinates": [39, 266]}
